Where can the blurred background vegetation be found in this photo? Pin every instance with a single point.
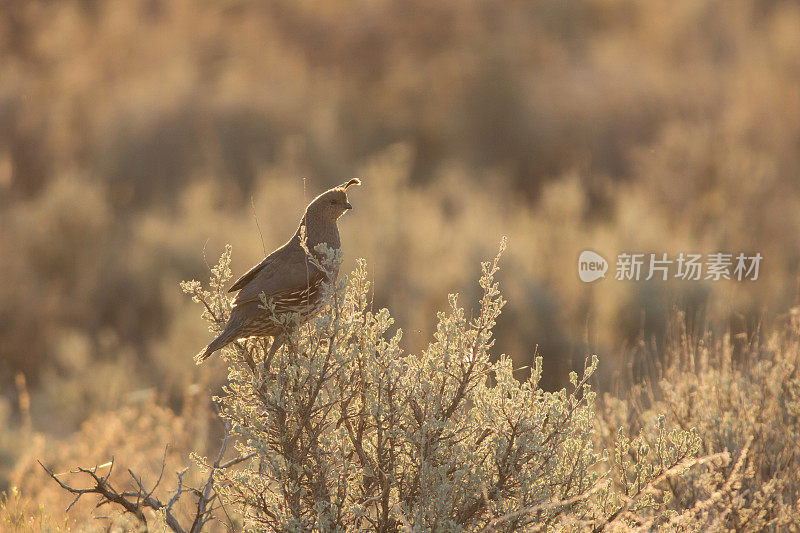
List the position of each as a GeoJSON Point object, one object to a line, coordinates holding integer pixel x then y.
{"type": "Point", "coordinates": [138, 137]}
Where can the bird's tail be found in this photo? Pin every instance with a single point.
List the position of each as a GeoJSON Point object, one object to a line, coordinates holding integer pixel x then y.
{"type": "Point", "coordinates": [220, 342]}
{"type": "Point", "coordinates": [204, 354]}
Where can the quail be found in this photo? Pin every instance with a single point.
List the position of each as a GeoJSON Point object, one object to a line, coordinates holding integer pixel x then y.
{"type": "Point", "coordinates": [286, 276]}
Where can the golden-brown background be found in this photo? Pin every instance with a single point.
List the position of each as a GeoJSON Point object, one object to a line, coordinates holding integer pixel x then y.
{"type": "Point", "coordinates": [138, 137]}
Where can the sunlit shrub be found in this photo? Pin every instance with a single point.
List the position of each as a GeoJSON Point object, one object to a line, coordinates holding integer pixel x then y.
{"type": "Point", "coordinates": [350, 432]}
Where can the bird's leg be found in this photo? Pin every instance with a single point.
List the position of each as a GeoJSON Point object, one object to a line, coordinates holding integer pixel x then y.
{"type": "Point", "coordinates": [277, 342]}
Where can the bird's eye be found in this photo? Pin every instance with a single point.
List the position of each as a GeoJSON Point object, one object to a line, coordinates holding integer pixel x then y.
{"type": "Point", "coordinates": [333, 201]}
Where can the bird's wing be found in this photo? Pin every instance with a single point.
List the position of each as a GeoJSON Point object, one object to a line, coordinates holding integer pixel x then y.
{"type": "Point", "coordinates": [285, 270]}
{"type": "Point", "coordinates": [250, 274]}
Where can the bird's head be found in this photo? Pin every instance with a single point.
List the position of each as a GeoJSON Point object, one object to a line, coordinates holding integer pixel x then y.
{"type": "Point", "coordinates": [333, 203]}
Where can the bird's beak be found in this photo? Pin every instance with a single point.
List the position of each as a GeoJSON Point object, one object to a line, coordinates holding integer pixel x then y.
{"type": "Point", "coordinates": [347, 205]}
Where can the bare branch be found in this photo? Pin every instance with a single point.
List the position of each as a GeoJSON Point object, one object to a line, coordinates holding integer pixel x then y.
{"type": "Point", "coordinates": [137, 500]}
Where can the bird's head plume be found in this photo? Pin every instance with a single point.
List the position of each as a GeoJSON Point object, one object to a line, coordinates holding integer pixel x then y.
{"type": "Point", "coordinates": [331, 204]}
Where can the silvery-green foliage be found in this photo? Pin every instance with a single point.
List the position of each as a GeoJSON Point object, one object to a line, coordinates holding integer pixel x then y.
{"type": "Point", "coordinates": [351, 433]}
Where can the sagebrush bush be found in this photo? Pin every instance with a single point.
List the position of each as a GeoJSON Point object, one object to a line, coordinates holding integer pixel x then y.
{"type": "Point", "coordinates": [350, 432]}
